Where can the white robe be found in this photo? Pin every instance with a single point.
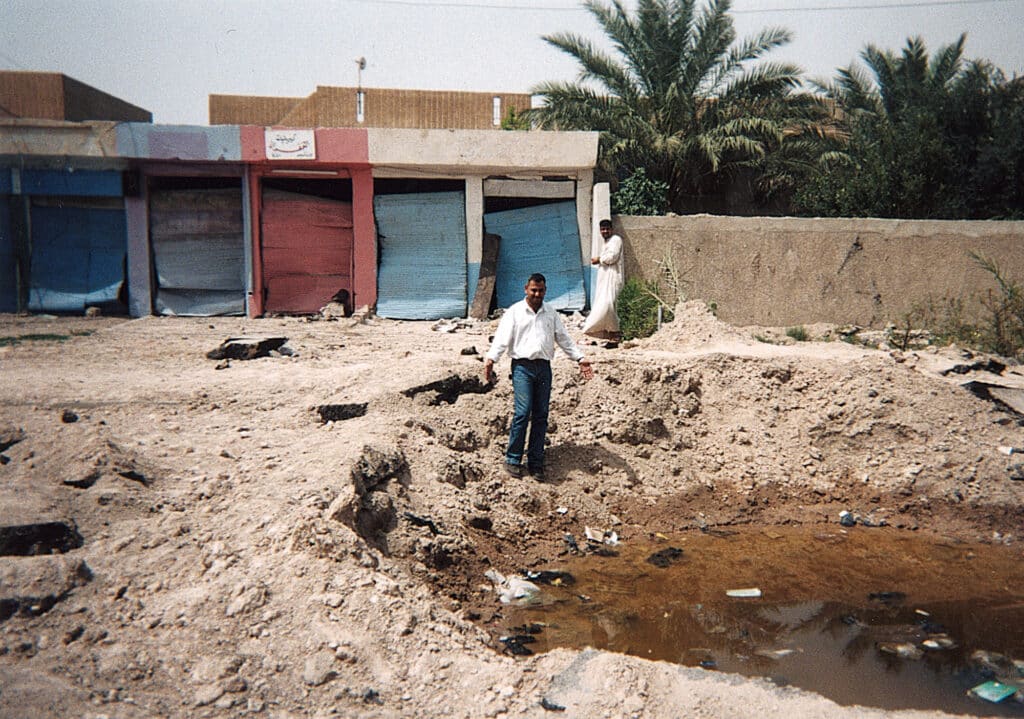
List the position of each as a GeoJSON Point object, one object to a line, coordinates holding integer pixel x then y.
{"type": "Point", "coordinates": [603, 321]}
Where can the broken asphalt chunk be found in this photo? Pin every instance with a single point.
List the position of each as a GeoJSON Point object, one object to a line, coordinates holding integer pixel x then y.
{"type": "Point", "coordinates": [515, 647]}
{"type": "Point", "coordinates": [246, 348]}
{"type": "Point", "coordinates": [450, 388]}
{"type": "Point", "coordinates": [664, 557]}
{"type": "Point", "coordinates": [340, 412]}
{"type": "Point", "coordinates": [418, 521]}
{"type": "Point", "coordinates": [10, 436]}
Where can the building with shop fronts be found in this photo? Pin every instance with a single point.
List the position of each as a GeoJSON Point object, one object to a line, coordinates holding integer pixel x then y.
{"type": "Point", "coordinates": [256, 219]}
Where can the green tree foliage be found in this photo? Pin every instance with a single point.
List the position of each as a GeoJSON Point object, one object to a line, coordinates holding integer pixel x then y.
{"type": "Point", "coordinates": [640, 195]}
{"type": "Point", "coordinates": [515, 120]}
{"type": "Point", "coordinates": [929, 137]}
{"type": "Point", "coordinates": [682, 99]}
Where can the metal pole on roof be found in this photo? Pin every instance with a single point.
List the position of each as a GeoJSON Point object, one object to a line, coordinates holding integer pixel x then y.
{"type": "Point", "coordinates": [360, 66]}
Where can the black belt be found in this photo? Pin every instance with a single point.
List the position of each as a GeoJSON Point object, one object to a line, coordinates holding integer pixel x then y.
{"type": "Point", "coordinates": [530, 361]}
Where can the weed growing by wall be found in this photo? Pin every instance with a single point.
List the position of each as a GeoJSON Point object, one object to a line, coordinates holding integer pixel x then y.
{"type": "Point", "coordinates": [637, 307]}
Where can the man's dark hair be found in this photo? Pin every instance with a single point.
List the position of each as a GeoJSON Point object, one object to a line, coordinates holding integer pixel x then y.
{"type": "Point", "coordinates": [537, 277]}
{"type": "Point", "coordinates": [605, 223]}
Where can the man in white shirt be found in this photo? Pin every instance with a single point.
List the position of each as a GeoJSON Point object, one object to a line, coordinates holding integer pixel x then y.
{"type": "Point", "coordinates": [529, 331]}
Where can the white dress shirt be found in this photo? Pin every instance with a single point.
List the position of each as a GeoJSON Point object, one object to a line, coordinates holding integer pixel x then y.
{"type": "Point", "coordinates": [531, 335]}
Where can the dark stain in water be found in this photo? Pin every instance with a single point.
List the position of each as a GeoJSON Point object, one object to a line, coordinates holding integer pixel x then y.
{"type": "Point", "coordinates": [874, 617]}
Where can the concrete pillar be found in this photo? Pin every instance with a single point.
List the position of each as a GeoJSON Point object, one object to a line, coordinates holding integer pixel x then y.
{"type": "Point", "coordinates": [584, 212]}
{"type": "Point", "coordinates": [140, 260]}
{"type": "Point", "coordinates": [364, 284]}
{"type": "Point", "coordinates": [601, 210]}
{"type": "Point", "coordinates": [474, 233]}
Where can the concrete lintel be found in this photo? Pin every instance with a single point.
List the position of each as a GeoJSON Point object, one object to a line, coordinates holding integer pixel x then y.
{"type": "Point", "coordinates": [474, 150]}
{"type": "Point", "coordinates": [558, 189]}
{"type": "Point", "coordinates": [41, 138]}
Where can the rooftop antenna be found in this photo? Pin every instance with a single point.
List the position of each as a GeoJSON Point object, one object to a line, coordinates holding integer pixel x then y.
{"type": "Point", "coordinates": [360, 66]}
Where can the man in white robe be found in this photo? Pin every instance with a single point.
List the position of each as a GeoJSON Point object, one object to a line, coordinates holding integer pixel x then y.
{"type": "Point", "coordinates": [603, 321]}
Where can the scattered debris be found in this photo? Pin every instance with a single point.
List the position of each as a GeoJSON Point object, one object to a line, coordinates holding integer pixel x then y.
{"type": "Point", "coordinates": [847, 519]}
{"type": "Point", "coordinates": [340, 412]}
{"type": "Point", "coordinates": [247, 348]}
{"type": "Point", "coordinates": [903, 650]}
{"type": "Point", "coordinates": [993, 691]}
{"type": "Point", "coordinates": [555, 579]}
{"type": "Point", "coordinates": [468, 352]}
{"type": "Point", "coordinates": [513, 590]}
{"type": "Point", "coordinates": [551, 706]}
{"type": "Point", "coordinates": [749, 593]}
{"type": "Point", "coordinates": [601, 536]}
{"type": "Point", "coordinates": [938, 642]}
{"type": "Point", "coordinates": [514, 645]}
{"type": "Point", "coordinates": [774, 653]}
{"type": "Point", "coordinates": [418, 521]}
{"type": "Point", "coordinates": [889, 598]}
{"type": "Point", "coordinates": [664, 557]}
{"type": "Point", "coordinates": [68, 417]}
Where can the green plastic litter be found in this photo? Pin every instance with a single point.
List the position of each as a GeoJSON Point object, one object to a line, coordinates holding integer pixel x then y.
{"type": "Point", "coordinates": [993, 691]}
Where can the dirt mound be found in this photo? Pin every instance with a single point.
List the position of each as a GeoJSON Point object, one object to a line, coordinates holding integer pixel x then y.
{"type": "Point", "coordinates": [693, 325]}
{"type": "Point", "coordinates": [249, 555]}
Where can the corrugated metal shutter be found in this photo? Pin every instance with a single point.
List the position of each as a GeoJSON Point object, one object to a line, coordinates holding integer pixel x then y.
{"type": "Point", "coordinates": [422, 272]}
{"type": "Point", "coordinates": [78, 254]}
{"type": "Point", "coordinates": [8, 274]}
{"type": "Point", "coordinates": [307, 250]}
{"type": "Point", "coordinates": [544, 239]}
{"type": "Point", "coordinates": [198, 255]}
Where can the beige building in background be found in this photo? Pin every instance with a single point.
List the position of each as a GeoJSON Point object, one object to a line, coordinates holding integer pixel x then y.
{"type": "Point", "coordinates": [371, 107]}
{"type": "Point", "coordinates": [52, 96]}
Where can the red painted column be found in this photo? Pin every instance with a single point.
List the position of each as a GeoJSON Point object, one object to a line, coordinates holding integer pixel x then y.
{"type": "Point", "coordinates": [365, 253]}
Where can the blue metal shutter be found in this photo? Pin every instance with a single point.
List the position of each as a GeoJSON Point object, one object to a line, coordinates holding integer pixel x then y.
{"type": "Point", "coordinates": [78, 255]}
{"type": "Point", "coordinates": [422, 267]}
{"type": "Point", "coordinates": [8, 274]}
{"type": "Point", "coordinates": [544, 239]}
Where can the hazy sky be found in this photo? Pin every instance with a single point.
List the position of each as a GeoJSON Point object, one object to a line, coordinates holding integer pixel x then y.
{"type": "Point", "coordinates": [167, 56]}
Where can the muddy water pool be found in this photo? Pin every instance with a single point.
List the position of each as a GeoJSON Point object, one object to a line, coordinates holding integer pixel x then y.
{"type": "Point", "coordinates": [867, 616]}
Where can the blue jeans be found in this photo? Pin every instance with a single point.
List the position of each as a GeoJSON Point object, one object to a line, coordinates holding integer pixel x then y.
{"type": "Point", "coordinates": [531, 383]}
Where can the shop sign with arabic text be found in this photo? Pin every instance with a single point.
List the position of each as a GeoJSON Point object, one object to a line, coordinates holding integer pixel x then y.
{"type": "Point", "coordinates": [290, 144]}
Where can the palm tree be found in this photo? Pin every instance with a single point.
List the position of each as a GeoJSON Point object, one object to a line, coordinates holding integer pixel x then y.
{"type": "Point", "coordinates": [679, 97]}
{"type": "Point", "coordinates": [917, 124]}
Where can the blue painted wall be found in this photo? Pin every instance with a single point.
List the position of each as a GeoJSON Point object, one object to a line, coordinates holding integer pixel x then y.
{"type": "Point", "coordinates": [78, 257]}
{"type": "Point", "coordinates": [422, 268]}
{"type": "Point", "coordinates": [82, 183]}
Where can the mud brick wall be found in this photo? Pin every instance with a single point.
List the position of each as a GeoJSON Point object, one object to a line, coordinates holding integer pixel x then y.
{"type": "Point", "coordinates": [788, 271]}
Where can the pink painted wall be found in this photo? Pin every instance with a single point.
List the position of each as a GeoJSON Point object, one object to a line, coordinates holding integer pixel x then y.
{"type": "Point", "coordinates": [340, 149]}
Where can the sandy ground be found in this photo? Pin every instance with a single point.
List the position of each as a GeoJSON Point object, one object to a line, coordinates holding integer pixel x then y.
{"type": "Point", "coordinates": [240, 556]}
